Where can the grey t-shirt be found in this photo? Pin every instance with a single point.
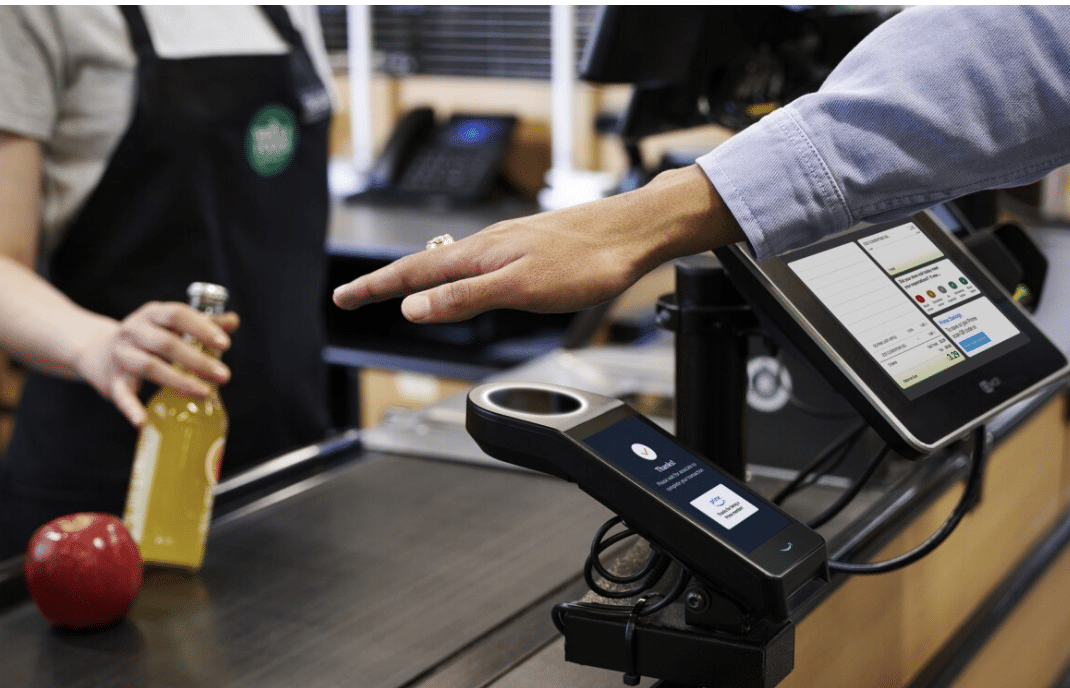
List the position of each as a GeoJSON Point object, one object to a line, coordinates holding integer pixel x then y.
{"type": "Point", "coordinates": [67, 80]}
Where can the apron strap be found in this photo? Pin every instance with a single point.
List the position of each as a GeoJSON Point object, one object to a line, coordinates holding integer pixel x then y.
{"type": "Point", "coordinates": [139, 31]}
{"type": "Point", "coordinates": [280, 18]}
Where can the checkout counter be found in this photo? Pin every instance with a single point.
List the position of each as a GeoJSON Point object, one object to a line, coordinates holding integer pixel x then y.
{"type": "Point", "coordinates": [402, 556]}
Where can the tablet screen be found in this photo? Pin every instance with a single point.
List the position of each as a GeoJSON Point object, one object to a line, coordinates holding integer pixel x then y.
{"type": "Point", "coordinates": [910, 307]}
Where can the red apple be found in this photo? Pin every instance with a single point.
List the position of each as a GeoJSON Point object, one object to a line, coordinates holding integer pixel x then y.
{"type": "Point", "coordinates": [83, 570]}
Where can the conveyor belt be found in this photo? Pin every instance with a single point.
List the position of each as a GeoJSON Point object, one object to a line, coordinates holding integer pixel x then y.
{"type": "Point", "coordinates": [378, 573]}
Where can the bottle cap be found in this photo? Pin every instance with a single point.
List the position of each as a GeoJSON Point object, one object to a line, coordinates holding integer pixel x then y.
{"type": "Point", "coordinates": [207, 297]}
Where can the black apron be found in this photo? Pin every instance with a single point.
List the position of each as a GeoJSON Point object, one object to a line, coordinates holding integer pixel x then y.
{"type": "Point", "coordinates": [221, 177]}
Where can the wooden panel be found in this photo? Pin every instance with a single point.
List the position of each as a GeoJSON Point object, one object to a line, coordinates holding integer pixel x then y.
{"type": "Point", "coordinates": [853, 639]}
{"type": "Point", "coordinates": [1021, 501]}
{"type": "Point", "coordinates": [1065, 478]}
{"type": "Point", "coordinates": [880, 630]}
{"type": "Point", "coordinates": [1031, 647]}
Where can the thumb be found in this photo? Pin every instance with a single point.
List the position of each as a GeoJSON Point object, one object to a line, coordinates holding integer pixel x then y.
{"type": "Point", "coordinates": [124, 396]}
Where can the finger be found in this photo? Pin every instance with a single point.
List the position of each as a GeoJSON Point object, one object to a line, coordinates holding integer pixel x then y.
{"type": "Point", "coordinates": [229, 321]}
{"type": "Point", "coordinates": [462, 299]}
{"type": "Point", "coordinates": [143, 366]}
{"type": "Point", "coordinates": [165, 345]}
{"type": "Point", "coordinates": [182, 319]}
{"type": "Point", "coordinates": [407, 275]}
{"type": "Point", "coordinates": [124, 398]}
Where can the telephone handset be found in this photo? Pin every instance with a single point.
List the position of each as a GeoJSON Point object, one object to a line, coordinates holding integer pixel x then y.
{"type": "Point", "coordinates": [457, 160]}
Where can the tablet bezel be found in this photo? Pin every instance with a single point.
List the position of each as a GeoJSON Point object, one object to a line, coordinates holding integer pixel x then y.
{"type": "Point", "coordinates": [933, 417]}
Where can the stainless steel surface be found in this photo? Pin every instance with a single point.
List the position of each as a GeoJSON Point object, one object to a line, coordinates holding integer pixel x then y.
{"type": "Point", "coordinates": [377, 573]}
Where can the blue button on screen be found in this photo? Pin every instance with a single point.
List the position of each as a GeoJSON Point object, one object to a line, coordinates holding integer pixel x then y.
{"type": "Point", "coordinates": [974, 341]}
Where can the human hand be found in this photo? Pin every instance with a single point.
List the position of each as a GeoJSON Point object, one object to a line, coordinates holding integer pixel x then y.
{"type": "Point", "coordinates": [558, 261]}
{"type": "Point", "coordinates": [118, 356]}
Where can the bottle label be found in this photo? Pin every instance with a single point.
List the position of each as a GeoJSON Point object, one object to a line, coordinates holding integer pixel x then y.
{"type": "Point", "coordinates": [137, 500]}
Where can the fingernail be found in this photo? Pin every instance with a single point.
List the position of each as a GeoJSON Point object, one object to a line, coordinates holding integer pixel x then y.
{"type": "Point", "coordinates": [416, 307]}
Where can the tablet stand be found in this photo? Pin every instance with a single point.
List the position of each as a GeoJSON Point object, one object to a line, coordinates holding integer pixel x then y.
{"type": "Point", "coordinates": [712, 323]}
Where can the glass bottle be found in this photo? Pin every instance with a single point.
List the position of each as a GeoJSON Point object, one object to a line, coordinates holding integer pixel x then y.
{"type": "Point", "coordinates": [177, 462]}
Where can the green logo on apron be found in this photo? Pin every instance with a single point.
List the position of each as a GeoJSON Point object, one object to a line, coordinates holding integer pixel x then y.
{"type": "Point", "coordinates": [271, 140]}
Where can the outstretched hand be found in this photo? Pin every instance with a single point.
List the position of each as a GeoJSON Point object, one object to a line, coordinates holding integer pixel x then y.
{"type": "Point", "coordinates": [558, 261]}
{"type": "Point", "coordinates": [143, 347]}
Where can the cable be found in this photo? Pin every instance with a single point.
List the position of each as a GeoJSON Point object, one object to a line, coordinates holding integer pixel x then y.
{"type": "Point", "coordinates": [837, 506]}
{"type": "Point", "coordinates": [827, 456]}
{"type": "Point", "coordinates": [971, 497]}
{"type": "Point", "coordinates": [818, 413]}
{"type": "Point", "coordinates": [644, 578]}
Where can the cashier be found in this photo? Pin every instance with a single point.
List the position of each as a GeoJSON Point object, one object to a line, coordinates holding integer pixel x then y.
{"type": "Point", "coordinates": [132, 164]}
{"type": "Point", "coordinates": [936, 103]}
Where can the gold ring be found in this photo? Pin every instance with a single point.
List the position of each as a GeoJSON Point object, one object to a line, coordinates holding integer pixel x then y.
{"type": "Point", "coordinates": [440, 240]}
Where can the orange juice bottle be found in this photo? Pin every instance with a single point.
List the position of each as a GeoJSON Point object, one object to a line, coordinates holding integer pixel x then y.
{"type": "Point", "coordinates": [176, 465]}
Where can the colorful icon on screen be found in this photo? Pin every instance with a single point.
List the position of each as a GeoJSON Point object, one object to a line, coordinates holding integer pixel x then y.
{"type": "Point", "coordinates": [931, 293]}
{"type": "Point", "coordinates": [920, 298]}
{"type": "Point", "coordinates": [952, 285]}
{"type": "Point", "coordinates": [963, 280]}
{"type": "Point", "coordinates": [942, 290]}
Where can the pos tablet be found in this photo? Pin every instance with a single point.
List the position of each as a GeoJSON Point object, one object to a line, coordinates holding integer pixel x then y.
{"type": "Point", "coordinates": [906, 324]}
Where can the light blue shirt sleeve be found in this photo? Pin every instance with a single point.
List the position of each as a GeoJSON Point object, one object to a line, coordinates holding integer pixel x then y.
{"type": "Point", "coordinates": [936, 103]}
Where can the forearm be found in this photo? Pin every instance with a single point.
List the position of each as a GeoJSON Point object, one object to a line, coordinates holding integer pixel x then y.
{"type": "Point", "coordinates": [681, 213]}
{"type": "Point", "coordinates": [46, 331]}
{"type": "Point", "coordinates": [39, 326]}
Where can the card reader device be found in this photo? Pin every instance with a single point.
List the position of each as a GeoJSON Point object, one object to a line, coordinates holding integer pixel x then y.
{"type": "Point", "coordinates": [906, 324]}
{"type": "Point", "coordinates": [718, 528]}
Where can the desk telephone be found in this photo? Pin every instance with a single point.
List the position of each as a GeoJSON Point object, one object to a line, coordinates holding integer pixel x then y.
{"type": "Point", "coordinates": [457, 160]}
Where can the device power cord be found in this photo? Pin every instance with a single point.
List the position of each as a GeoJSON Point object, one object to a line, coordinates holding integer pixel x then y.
{"type": "Point", "coordinates": [825, 462]}
{"type": "Point", "coordinates": [637, 583]}
{"type": "Point", "coordinates": [971, 497]}
{"type": "Point", "coordinates": [847, 497]}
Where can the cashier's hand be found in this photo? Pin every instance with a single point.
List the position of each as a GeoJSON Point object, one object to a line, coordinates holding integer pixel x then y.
{"type": "Point", "coordinates": [119, 356]}
{"type": "Point", "coordinates": [558, 261]}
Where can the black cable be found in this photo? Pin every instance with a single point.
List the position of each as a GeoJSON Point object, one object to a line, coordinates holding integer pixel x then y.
{"type": "Point", "coordinates": [844, 499]}
{"type": "Point", "coordinates": [971, 497]}
{"type": "Point", "coordinates": [646, 576]}
{"type": "Point", "coordinates": [842, 444]}
{"type": "Point", "coordinates": [683, 577]}
{"type": "Point", "coordinates": [819, 413]}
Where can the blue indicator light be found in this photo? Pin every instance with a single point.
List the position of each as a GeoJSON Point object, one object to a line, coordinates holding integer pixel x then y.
{"type": "Point", "coordinates": [472, 132]}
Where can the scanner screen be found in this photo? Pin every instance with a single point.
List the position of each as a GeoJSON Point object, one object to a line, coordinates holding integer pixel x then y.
{"type": "Point", "coordinates": [695, 487]}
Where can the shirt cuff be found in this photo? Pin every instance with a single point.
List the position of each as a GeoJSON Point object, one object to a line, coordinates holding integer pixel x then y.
{"type": "Point", "coordinates": [776, 184]}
